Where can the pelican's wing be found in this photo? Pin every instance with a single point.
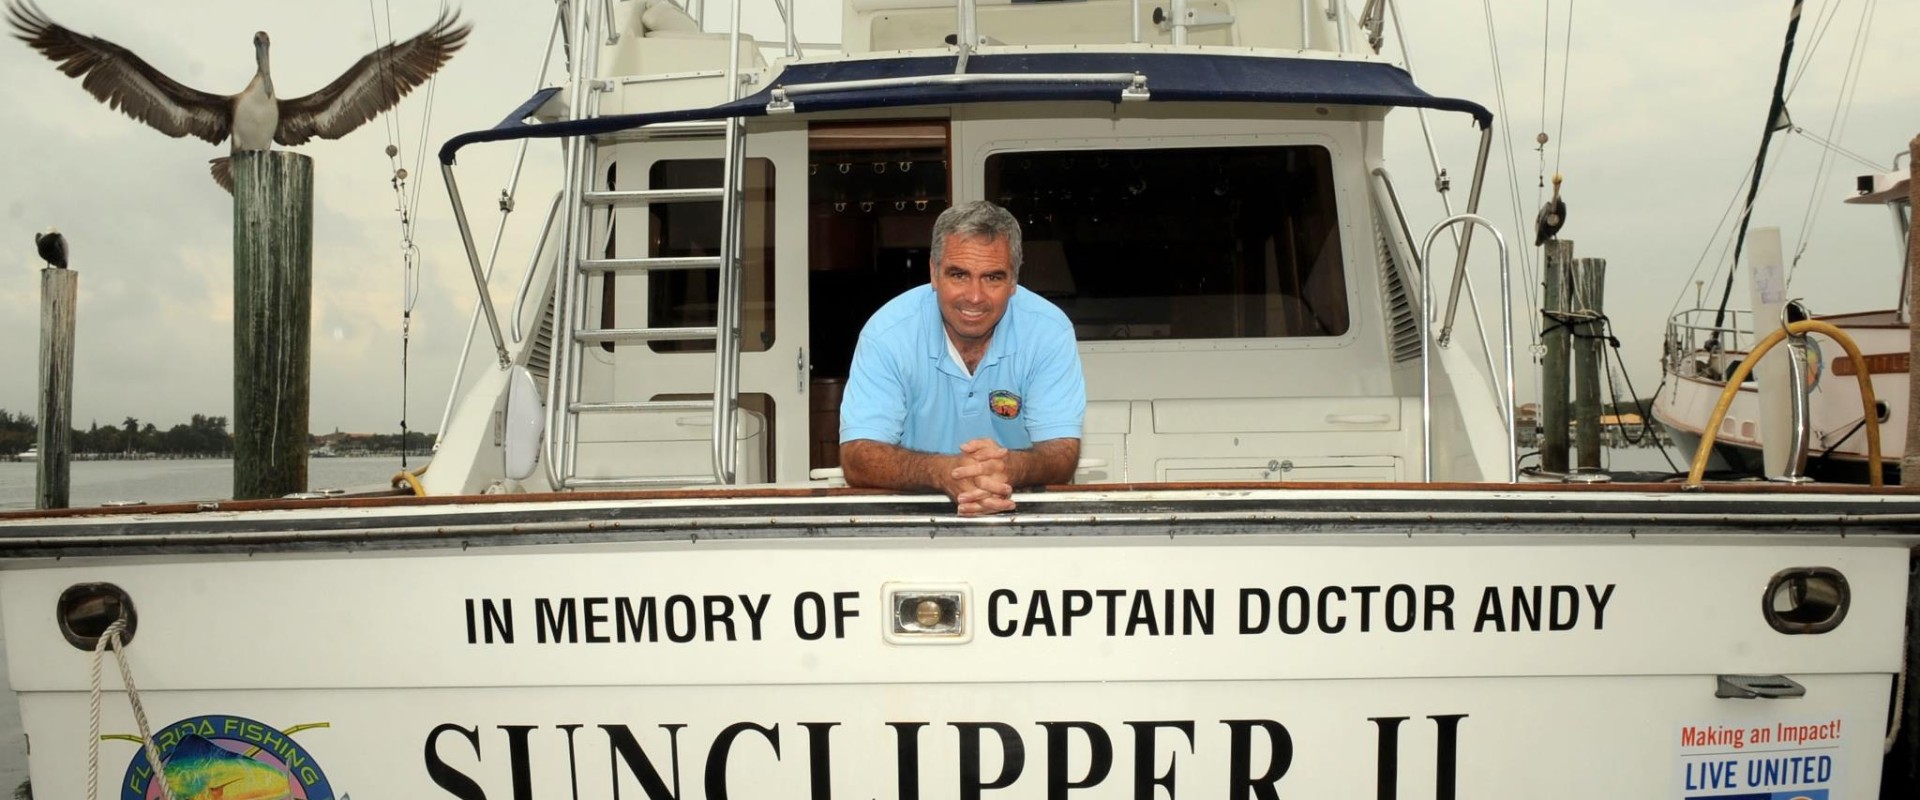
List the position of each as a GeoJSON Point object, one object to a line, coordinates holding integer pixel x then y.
{"type": "Point", "coordinates": [117, 77]}
{"type": "Point", "coordinates": [373, 85]}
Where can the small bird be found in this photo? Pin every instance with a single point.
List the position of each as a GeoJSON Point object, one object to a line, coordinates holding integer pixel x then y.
{"type": "Point", "coordinates": [1552, 216]}
{"type": "Point", "coordinates": [258, 116]}
{"type": "Point", "coordinates": [52, 247]}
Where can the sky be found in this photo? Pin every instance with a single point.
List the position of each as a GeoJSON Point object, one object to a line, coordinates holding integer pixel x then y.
{"type": "Point", "coordinates": [1663, 105]}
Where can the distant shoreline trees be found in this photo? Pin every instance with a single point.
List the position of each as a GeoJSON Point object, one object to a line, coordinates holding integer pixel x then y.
{"type": "Point", "coordinates": [203, 436]}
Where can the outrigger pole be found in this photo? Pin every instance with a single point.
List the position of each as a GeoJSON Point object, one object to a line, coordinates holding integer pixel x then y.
{"type": "Point", "coordinates": [1775, 110]}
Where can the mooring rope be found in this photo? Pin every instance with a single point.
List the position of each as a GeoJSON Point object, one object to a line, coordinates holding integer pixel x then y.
{"type": "Point", "coordinates": [111, 638]}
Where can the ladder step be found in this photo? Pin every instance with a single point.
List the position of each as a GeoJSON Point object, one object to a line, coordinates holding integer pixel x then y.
{"type": "Point", "coordinates": [642, 405]}
{"type": "Point", "coordinates": [648, 264]}
{"type": "Point", "coordinates": [631, 483]}
{"type": "Point", "coordinates": [618, 335]}
{"type": "Point", "coordinates": [647, 196]}
{"type": "Point", "coordinates": [703, 129]}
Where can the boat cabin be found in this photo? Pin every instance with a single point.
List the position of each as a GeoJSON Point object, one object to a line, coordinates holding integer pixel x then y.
{"type": "Point", "coordinates": [1206, 202]}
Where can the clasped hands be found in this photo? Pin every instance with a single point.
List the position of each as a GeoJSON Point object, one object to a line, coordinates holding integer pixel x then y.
{"type": "Point", "coordinates": [981, 481]}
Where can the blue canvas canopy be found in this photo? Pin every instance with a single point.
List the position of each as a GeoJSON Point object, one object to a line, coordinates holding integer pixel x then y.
{"type": "Point", "coordinates": [890, 83]}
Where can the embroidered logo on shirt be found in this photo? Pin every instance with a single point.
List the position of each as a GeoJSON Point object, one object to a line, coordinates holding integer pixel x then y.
{"type": "Point", "coordinates": [1005, 404]}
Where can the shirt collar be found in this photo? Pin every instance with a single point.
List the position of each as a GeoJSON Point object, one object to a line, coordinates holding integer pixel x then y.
{"type": "Point", "coordinates": [999, 347]}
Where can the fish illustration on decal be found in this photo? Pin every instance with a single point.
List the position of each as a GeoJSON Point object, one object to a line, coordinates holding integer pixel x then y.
{"type": "Point", "coordinates": [224, 757]}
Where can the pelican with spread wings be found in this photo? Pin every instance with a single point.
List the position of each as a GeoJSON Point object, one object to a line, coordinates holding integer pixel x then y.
{"type": "Point", "coordinates": [258, 116]}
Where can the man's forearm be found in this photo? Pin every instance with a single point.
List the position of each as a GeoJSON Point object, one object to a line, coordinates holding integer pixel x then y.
{"type": "Point", "coordinates": [1050, 462]}
{"type": "Point", "coordinates": [879, 465]}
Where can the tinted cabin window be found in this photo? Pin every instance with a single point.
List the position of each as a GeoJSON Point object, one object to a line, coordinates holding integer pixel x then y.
{"type": "Point", "coordinates": [687, 298]}
{"type": "Point", "coordinates": [1216, 243]}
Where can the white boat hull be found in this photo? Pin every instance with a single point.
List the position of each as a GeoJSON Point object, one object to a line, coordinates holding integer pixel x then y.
{"type": "Point", "coordinates": [1838, 445]}
{"type": "Point", "coordinates": [1294, 641]}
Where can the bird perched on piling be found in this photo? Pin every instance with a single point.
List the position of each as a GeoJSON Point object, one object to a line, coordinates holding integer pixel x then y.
{"type": "Point", "coordinates": [1552, 216]}
{"type": "Point", "coordinates": [52, 247]}
{"type": "Point", "coordinates": [258, 116]}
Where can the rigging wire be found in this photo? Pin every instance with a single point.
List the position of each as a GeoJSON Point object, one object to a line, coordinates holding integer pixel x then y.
{"type": "Point", "coordinates": [406, 205]}
{"type": "Point", "coordinates": [1857, 158]}
{"type": "Point", "coordinates": [1566, 68]}
{"type": "Point", "coordinates": [1720, 262]}
{"type": "Point", "coordinates": [1546, 56]}
{"type": "Point", "coordinates": [1513, 180]}
{"type": "Point", "coordinates": [1842, 110]}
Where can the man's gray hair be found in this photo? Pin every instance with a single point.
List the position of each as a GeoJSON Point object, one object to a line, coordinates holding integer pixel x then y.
{"type": "Point", "coordinates": [979, 220]}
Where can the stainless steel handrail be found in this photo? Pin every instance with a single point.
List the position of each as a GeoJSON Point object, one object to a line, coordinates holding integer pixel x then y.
{"type": "Point", "coordinates": [533, 266]}
{"type": "Point", "coordinates": [786, 19]}
{"type": "Point", "coordinates": [1393, 198]}
{"type": "Point", "coordinates": [966, 34]}
{"type": "Point", "coordinates": [1133, 84]}
{"type": "Point", "coordinates": [1338, 10]}
{"type": "Point", "coordinates": [726, 346]}
{"type": "Point", "coordinates": [1426, 347]}
{"type": "Point", "coordinates": [1373, 20]}
{"type": "Point", "coordinates": [473, 261]}
{"type": "Point", "coordinates": [493, 258]}
{"type": "Point", "coordinates": [562, 387]}
{"type": "Point", "coordinates": [1466, 236]}
{"type": "Point", "coordinates": [1473, 305]}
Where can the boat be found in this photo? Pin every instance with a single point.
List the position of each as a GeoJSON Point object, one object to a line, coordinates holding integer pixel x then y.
{"type": "Point", "coordinates": [1809, 412]}
{"type": "Point", "coordinates": [1704, 346]}
{"type": "Point", "coordinates": [32, 453]}
{"type": "Point", "coordinates": [1297, 559]}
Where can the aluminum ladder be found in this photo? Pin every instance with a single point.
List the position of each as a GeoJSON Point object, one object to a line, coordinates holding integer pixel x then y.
{"type": "Point", "coordinates": [571, 332]}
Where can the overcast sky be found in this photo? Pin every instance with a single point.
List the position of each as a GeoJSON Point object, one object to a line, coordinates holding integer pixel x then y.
{"type": "Point", "coordinates": [1664, 104]}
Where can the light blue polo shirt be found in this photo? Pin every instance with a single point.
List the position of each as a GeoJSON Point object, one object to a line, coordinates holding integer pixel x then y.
{"type": "Point", "coordinates": [906, 389]}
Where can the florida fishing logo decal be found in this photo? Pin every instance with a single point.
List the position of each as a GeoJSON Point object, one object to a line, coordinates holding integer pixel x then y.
{"type": "Point", "coordinates": [222, 757]}
{"type": "Point", "coordinates": [1005, 404]}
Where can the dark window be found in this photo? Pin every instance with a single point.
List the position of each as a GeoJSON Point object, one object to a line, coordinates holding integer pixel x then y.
{"type": "Point", "coordinates": [1214, 243]}
{"type": "Point", "coordinates": [687, 298]}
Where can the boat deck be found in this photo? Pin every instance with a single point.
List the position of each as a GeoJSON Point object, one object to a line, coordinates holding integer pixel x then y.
{"type": "Point", "coordinates": [1158, 509]}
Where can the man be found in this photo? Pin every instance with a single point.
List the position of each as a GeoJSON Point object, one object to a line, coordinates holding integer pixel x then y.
{"type": "Point", "coordinates": [968, 386]}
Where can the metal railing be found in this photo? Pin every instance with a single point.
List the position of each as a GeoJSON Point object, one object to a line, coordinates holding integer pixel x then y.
{"type": "Point", "coordinates": [1426, 345]}
{"type": "Point", "coordinates": [1692, 332]}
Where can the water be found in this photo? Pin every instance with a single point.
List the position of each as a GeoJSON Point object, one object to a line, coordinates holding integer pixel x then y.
{"type": "Point", "coordinates": [97, 482]}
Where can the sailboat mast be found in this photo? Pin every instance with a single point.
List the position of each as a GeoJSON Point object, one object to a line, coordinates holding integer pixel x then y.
{"type": "Point", "coordinates": [1775, 110]}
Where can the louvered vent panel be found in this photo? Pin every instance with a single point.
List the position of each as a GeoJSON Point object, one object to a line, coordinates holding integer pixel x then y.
{"type": "Point", "coordinates": [540, 358]}
{"type": "Point", "coordinates": [1402, 325]}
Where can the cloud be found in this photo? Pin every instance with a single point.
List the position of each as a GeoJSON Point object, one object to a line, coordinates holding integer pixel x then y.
{"type": "Point", "coordinates": [1664, 104]}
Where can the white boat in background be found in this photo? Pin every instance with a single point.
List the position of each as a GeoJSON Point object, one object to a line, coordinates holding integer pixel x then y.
{"type": "Point", "coordinates": [1701, 355]}
{"type": "Point", "coordinates": [1296, 561]}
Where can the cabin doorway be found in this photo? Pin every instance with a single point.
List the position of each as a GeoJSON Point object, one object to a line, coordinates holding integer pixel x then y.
{"type": "Point", "coordinates": [873, 191]}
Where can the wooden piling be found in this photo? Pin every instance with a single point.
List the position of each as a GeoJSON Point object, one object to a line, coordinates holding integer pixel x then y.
{"type": "Point", "coordinates": [1910, 456]}
{"type": "Point", "coordinates": [1589, 285]}
{"type": "Point", "coordinates": [59, 294]}
{"type": "Point", "coordinates": [272, 321]}
{"type": "Point", "coordinates": [1555, 335]}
